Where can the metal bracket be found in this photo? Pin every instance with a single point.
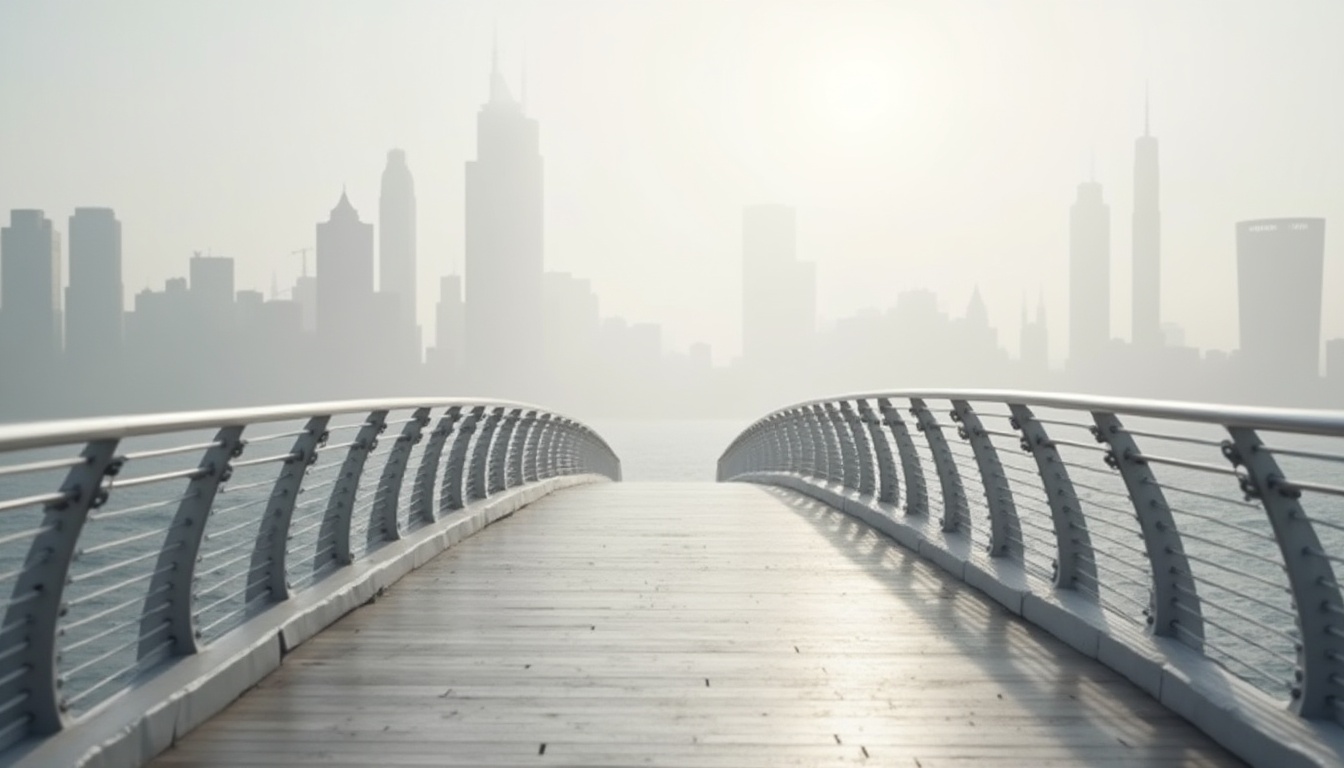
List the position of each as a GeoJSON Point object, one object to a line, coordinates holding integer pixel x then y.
{"type": "Point", "coordinates": [956, 514]}
{"type": "Point", "coordinates": [1005, 532]}
{"type": "Point", "coordinates": [1073, 546]}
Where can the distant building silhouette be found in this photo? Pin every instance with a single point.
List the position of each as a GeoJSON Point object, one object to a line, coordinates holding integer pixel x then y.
{"type": "Point", "coordinates": [779, 293]}
{"type": "Point", "coordinates": [1034, 340]}
{"type": "Point", "coordinates": [1089, 278]}
{"type": "Point", "coordinates": [305, 295]}
{"type": "Point", "coordinates": [397, 243]}
{"type": "Point", "coordinates": [1334, 363]}
{"type": "Point", "coordinates": [446, 358]}
{"type": "Point", "coordinates": [1280, 265]}
{"type": "Point", "coordinates": [504, 247]}
{"type": "Point", "coordinates": [344, 278]}
{"type": "Point", "coordinates": [30, 289]}
{"type": "Point", "coordinates": [1146, 240]}
{"type": "Point", "coordinates": [94, 300]}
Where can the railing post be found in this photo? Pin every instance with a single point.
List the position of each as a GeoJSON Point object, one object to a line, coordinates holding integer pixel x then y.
{"type": "Point", "coordinates": [1316, 595]}
{"type": "Point", "coordinates": [916, 492]}
{"type": "Point", "coordinates": [862, 454]}
{"type": "Point", "coordinates": [497, 470]}
{"type": "Point", "coordinates": [383, 525]}
{"type": "Point", "coordinates": [29, 668]}
{"type": "Point", "coordinates": [816, 445]}
{"type": "Point", "coordinates": [422, 500]}
{"type": "Point", "coordinates": [267, 567]}
{"type": "Point", "coordinates": [800, 454]}
{"type": "Point", "coordinates": [1172, 582]}
{"type": "Point", "coordinates": [478, 473]}
{"type": "Point", "coordinates": [546, 448]}
{"type": "Point", "coordinates": [888, 488]}
{"type": "Point", "coordinates": [835, 470]}
{"type": "Point", "coordinates": [1073, 547]}
{"type": "Point", "coordinates": [956, 516]}
{"type": "Point", "coordinates": [1005, 533]}
{"type": "Point", "coordinates": [455, 476]}
{"type": "Point", "coordinates": [849, 460]}
{"type": "Point", "coordinates": [532, 449]}
{"type": "Point", "coordinates": [169, 595]}
{"type": "Point", "coordinates": [333, 538]}
{"type": "Point", "coordinates": [515, 474]}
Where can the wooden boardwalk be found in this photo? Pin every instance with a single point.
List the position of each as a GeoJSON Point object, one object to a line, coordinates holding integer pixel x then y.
{"type": "Point", "coordinates": [687, 624]}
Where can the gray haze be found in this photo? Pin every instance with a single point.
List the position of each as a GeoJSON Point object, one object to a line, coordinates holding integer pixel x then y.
{"type": "Point", "coordinates": [932, 146]}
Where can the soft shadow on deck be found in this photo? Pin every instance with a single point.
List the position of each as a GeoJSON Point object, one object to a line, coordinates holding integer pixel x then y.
{"type": "Point", "coordinates": [687, 624]}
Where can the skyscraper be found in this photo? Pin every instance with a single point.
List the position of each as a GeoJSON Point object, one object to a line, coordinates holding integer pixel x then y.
{"type": "Point", "coordinates": [396, 237]}
{"type": "Point", "coordinates": [1280, 265]}
{"type": "Point", "coordinates": [779, 293]}
{"type": "Point", "coordinates": [1147, 243]}
{"type": "Point", "coordinates": [1089, 277]}
{"type": "Point", "coordinates": [344, 277]}
{"type": "Point", "coordinates": [504, 246]}
{"type": "Point", "coordinates": [30, 288]}
{"type": "Point", "coordinates": [94, 300]}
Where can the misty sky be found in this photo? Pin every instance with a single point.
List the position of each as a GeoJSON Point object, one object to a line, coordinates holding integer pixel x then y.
{"type": "Point", "coordinates": [926, 144]}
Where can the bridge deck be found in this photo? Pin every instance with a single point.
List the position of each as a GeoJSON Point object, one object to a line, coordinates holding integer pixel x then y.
{"type": "Point", "coordinates": [726, 625]}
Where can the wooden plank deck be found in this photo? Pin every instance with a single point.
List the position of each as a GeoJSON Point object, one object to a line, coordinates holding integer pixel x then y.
{"type": "Point", "coordinates": [687, 624]}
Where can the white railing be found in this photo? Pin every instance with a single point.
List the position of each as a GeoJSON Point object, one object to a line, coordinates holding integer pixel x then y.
{"type": "Point", "coordinates": [128, 545]}
{"type": "Point", "coordinates": [1191, 547]}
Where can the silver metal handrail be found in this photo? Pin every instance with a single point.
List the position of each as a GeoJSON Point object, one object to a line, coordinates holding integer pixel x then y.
{"type": "Point", "coordinates": [1222, 545]}
{"type": "Point", "coordinates": [130, 543]}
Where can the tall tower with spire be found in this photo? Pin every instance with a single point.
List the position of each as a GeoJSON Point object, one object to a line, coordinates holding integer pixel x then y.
{"type": "Point", "coordinates": [1147, 241]}
{"type": "Point", "coordinates": [396, 240]}
{"type": "Point", "coordinates": [504, 246]}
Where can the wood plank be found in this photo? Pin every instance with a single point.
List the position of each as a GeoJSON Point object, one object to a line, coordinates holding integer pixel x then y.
{"type": "Point", "coordinates": [687, 624]}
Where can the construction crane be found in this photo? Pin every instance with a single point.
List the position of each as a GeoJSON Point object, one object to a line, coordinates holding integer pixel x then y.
{"type": "Point", "coordinates": [304, 252]}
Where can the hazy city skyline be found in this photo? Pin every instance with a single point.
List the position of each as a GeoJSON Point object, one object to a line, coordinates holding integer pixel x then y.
{"type": "Point", "coordinates": [889, 128]}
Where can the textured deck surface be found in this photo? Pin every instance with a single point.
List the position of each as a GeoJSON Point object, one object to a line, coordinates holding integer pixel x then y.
{"type": "Point", "coordinates": [687, 624]}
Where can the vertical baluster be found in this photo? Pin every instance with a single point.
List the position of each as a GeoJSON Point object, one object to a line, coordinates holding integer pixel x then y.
{"type": "Point", "coordinates": [1172, 582]}
{"type": "Point", "coordinates": [799, 453]}
{"type": "Point", "coordinates": [454, 495]}
{"type": "Point", "coordinates": [533, 448]}
{"type": "Point", "coordinates": [477, 473]}
{"type": "Point", "coordinates": [497, 469]}
{"type": "Point", "coordinates": [863, 452]}
{"type": "Point", "coordinates": [816, 446]}
{"type": "Point", "coordinates": [29, 667]}
{"type": "Point", "coordinates": [266, 573]}
{"type": "Point", "coordinates": [517, 450]}
{"type": "Point", "coordinates": [1005, 533]}
{"type": "Point", "coordinates": [1073, 546]}
{"type": "Point", "coordinates": [916, 492]}
{"type": "Point", "coordinates": [1316, 594]}
{"type": "Point", "coordinates": [333, 537]}
{"type": "Point", "coordinates": [169, 597]}
{"type": "Point", "coordinates": [383, 525]}
{"type": "Point", "coordinates": [834, 470]}
{"type": "Point", "coordinates": [422, 501]}
{"type": "Point", "coordinates": [888, 487]}
{"type": "Point", "coordinates": [847, 457]}
{"type": "Point", "coordinates": [956, 516]}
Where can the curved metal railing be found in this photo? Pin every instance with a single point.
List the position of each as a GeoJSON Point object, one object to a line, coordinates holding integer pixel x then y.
{"type": "Point", "coordinates": [1192, 547]}
{"type": "Point", "coordinates": [130, 544]}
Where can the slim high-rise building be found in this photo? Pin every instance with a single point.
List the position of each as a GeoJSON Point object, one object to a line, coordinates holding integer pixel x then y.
{"type": "Point", "coordinates": [504, 247]}
{"type": "Point", "coordinates": [779, 293]}
{"type": "Point", "coordinates": [396, 237]}
{"type": "Point", "coordinates": [1147, 243]}
{"type": "Point", "coordinates": [1089, 277]}
{"type": "Point", "coordinates": [344, 276]}
{"type": "Point", "coordinates": [94, 300]}
{"type": "Point", "coordinates": [1280, 266]}
{"type": "Point", "coordinates": [30, 288]}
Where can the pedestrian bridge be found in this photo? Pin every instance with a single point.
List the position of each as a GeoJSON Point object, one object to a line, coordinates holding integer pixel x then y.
{"type": "Point", "coordinates": [899, 578]}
